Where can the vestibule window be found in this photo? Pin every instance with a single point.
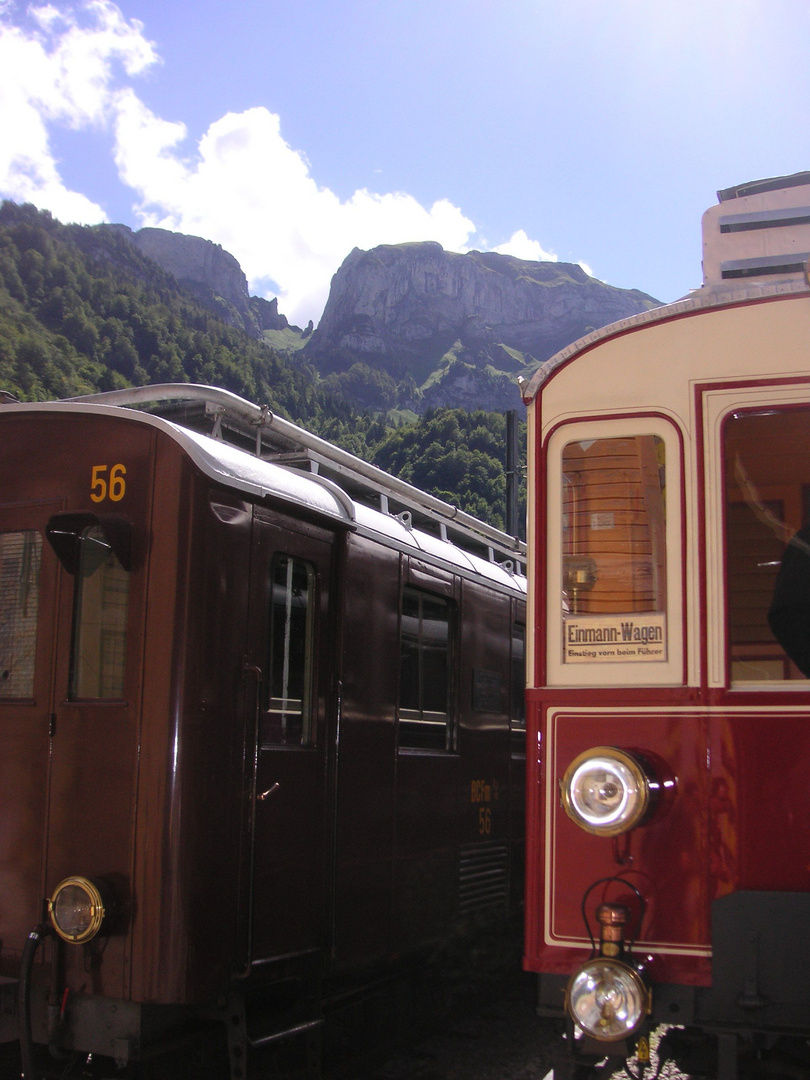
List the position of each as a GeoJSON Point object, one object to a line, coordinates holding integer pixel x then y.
{"type": "Point", "coordinates": [20, 555]}
{"type": "Point", "coordinates": [613, 544]}
{"type": "Point", "coordinates": [425, 655]}
{"type": "Point", "coordinates": [101, 608]}
{"type": "Point", "coordinates": [767, 530]}
{"type": "Point", "coordinates": [287, 719]}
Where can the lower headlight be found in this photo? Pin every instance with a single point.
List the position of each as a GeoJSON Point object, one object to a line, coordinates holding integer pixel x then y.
{"type": "Point", "coordinates": [77, 909]}
{"type": "Point", "coordinates": [607, 999]}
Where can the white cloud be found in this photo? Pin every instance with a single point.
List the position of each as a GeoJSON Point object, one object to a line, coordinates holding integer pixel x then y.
{"type": "Point", "coordinates": [60, 71]}
{"type": "Point", "coordinates": [243, 186]}
{"type": "Point", "coordinates": [522, 247]}
{"type": "Point", "coordinates": [248, 190]}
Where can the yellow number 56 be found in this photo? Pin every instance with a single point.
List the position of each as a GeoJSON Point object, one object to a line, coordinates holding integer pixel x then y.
{"type": "Point", "coordinates": [111, 487]}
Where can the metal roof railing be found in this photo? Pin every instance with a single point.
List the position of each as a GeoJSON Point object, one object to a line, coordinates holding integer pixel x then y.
{"type": "Point", "coordinates": [271, 437]}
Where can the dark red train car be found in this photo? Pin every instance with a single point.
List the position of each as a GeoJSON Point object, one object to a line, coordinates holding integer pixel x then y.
{"type": "Point", "coordinates": [668, 817]}
{"type": "Point", "coordinates": [257, 735]}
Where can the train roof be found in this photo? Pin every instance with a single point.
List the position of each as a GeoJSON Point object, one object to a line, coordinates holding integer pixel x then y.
{"type": "Point", "coordinates": [287, 463]}
{"type": "Point", "coordinates": [700, 300]}
{"type": "Point", "coordinates": [760, 251]}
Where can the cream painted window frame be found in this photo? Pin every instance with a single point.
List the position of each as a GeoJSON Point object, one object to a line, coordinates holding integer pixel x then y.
{"type": "Point", "coordinates": [669, 672]}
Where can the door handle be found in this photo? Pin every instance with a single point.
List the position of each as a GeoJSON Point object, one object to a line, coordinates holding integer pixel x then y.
{"type": "Point", "coordinates": [265, 795]}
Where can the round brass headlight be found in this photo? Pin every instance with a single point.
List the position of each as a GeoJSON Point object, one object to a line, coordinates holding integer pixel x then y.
{"type": "Point", "coordinates": [605, 791]}
{"type": "Point", "coordinates": [77, 910]}
{"type": "Point", "coordinates": [607, 999]}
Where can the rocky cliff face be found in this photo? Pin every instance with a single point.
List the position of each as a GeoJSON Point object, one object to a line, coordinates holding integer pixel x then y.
{"type": "Point", "coordinates": [210, 273]}
{"type": "Point", "coordinates": [413, 326]}
{"type": "Point", "coordinates": [190, 258]}
{"type": "Point", "coordinates": [462, 325]}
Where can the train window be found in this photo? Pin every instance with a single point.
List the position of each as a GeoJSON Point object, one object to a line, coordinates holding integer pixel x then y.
{"type": "Point", "coordinates": [767, 480]}
{"type": "Point", "coordinates": [518, 707]}
{"type": "Point", "coordinates": [424, 672]}
{"type": "Point", "coordinates": [287, 719]}
{"type": "Point", "coordinates": [614, 554]}
{"type": "Point", "coordinates": [101, 606]}
{"type": "Point", "coordinates": [614, 559]}
{"type": "Point", "coordinates": [20, 555]}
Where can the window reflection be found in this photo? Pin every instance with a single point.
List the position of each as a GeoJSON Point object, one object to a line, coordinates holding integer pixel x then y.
{"type": "Point", "coordinates": [101, 607]}
{"type": "Point", "coordinates": [424, 717]}
{"type": "Point", "coordinates": [614, 550]}
{"type": "Point", "coordinates": [767, 481]}
{"type": "Point", "coordinates": [287, 719]}
{"type": "Point", "coordinates": [518, 708]}
{"type": "Point", "coordinates": [20, 556]}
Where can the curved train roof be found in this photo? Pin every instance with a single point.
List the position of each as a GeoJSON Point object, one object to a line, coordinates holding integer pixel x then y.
{"type": "Point", "coordinates": [236, 468]}
{"type": "Point", "coordinates": [700, 300]}
{"type": "Point", "coordinates": [761, 251]}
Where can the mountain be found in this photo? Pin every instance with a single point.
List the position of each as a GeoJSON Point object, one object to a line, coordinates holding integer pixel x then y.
{"type": "Point", "coordinates": [455, 330]}
{"type": "Point", "coordinates": [83, 309]}
{"type": "Point", "coordinates": [211, 274]}
{"type": "Point", "coordinates": [411, 326]}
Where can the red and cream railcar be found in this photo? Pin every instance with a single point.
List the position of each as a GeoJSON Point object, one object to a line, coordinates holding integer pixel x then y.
{"type": "Point", "coordinates": [256, 734]}
{"type": "Point", "coordinates": [668, 809]}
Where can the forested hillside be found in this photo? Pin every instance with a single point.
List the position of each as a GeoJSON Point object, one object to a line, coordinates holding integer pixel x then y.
{"type": "Point", "coordinates": [81, 310]}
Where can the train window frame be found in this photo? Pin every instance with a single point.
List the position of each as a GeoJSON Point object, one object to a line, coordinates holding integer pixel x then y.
{"type": "Point", "coordinates": [716, 403]}
{"type": "Point", "coordinates": [22, 593]}
{"type": "Point", "coordinates": [668, 671]}
{"type": "Point", "coordinates": [276, 707]}
{"type": "Point", "coordinates": [419, 728]}
{"type": "Point", "coordinates": [775, 509]}
{"type": "Point", "coordinates": [517, 667]}
{"type": "Point", "coordinates": [100, 625]}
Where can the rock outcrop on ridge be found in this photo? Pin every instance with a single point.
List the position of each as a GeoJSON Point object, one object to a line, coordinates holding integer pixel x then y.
{"type": "Point", "coordinates": [461, 326]}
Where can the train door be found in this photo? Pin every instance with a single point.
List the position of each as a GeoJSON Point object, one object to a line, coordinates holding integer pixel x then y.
{"type": "Point", "coordinates": [68, 700]}
{"type": "Point", "coordinates": [28, 602]}
{"type": "Point", "coordinates": [94, 722]}
{"type": "Point", "coordinates": [291, 660]}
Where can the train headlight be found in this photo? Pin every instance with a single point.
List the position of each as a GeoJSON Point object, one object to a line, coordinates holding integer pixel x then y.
{"type": "Point", "coordinates": [607, 999]}
{"type": "Point", "coordinates": [605, 791]}
{"type": "Point", "coordinates": [77, 910]}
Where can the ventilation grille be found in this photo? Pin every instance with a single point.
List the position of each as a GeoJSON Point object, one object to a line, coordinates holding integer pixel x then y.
{"type": "Point", "coordinates": [483, 877]}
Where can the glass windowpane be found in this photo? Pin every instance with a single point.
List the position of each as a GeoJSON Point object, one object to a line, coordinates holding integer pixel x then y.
{"type": "Point", "coordinates": [518, 711]}
{"type": "Point", "coordinates": [287, 719]}
{"type": "Point", "coordinates": [100, 621]}
{"type": "Point", "coordinates": [614, 550]}
{"type": "Point", "coordinates": [20, 556]}
{"type": "Point", "coordinates": [424, 719]}
{"type": "Point", "coordinates": [767, 478]}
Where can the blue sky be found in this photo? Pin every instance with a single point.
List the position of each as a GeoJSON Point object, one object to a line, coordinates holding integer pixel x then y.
{"type": "Point", "coordinates": [592, 131]}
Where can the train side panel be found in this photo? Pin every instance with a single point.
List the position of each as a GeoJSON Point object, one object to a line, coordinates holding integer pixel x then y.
{"type": "Point", "coordinates": [275, 744]}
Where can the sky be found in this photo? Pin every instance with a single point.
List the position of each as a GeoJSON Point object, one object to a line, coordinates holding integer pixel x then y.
{"type": "Point", "coordinates": [292, 131]}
